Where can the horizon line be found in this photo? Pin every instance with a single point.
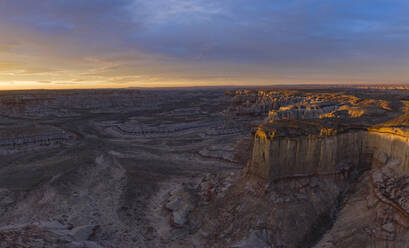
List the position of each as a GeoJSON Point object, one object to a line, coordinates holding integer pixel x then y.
{"type": "Point", "coordinates": [341, 85]}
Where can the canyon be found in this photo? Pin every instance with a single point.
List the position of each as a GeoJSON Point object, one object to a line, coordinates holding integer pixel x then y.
{"type": "Point", "coordinates": [301, 166]}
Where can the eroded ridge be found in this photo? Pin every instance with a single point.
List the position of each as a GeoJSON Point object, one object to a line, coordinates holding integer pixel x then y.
{"type": "Point", "coordinates": [20, 138]}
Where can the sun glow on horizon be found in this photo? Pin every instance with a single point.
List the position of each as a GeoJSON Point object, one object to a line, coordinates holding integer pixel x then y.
{"type": "Point", "coordinates": [166, 43]}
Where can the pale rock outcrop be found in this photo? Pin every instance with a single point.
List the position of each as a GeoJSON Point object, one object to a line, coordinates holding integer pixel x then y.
{"type": "Point", "coordinates": [277, 156]}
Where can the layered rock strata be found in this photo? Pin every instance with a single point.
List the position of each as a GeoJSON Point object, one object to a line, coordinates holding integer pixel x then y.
{"type": "Point", "coordinates": [17, 138]}
{"type": "Point", "coordinates": [277, 155]}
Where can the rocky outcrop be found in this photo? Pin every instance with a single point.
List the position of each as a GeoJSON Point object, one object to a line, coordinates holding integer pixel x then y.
{"type": "Point", "coordinates": [180, 203]}
{"type": "Point", "coordinates": [208, 128]}
{"type": "Point", "coordinates": [277, 155]}
{"type": "Point", "coordinates": [219, 153]}
{"type": "Point", "coordinates": [253, 213]}
{"type": "Point", "coordinates": [218, 131]}
{"type": "Point", "coordinates": [46, 234]}
{"type": "Point", "coordinates": [291, 104]}
{"type": "Point", "coordinates": [259, 103]}
{"type": "Point", "coordinates": [376, 213]}
{"type": "Point", "coordinates": [302, 113]}
{"type": "Point", "coordinates": [27, 137]}
{"type": "Point", "coordinates": [391, 186]}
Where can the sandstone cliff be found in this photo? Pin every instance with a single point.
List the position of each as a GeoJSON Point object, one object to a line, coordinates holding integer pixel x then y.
{"type": "Point", "coordinates": [276, 156]}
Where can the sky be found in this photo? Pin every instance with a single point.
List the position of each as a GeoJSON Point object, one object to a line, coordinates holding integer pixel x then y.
{"type": "Point", "coordinates": [151, 43]}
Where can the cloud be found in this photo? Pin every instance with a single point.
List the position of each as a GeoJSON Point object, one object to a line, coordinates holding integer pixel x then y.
{"type": "Point", "coordinates": [44, 82]}
{"type": "Point", "coordinates": [162, 11]}
{"type": "Point", "coordinates": [296, 33]}
{"type": "Point", "coordinates": [223, 41]}
{"type": "Point", "coordinates": [6, 47]}
{"type": "Point", "coordinates": [9, 66]}
{"type": "Point", "coordinates": [21, 68]}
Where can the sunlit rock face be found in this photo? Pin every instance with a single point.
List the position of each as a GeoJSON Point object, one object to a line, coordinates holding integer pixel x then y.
{"type": "Point", "coordinates": [279, 157]}
{"type": "Point", "coordinates": [276, 156]}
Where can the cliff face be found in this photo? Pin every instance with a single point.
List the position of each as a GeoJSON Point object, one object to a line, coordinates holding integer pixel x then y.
{"type": "Point", "coordinates": [279, 157]}
{"type": "Point", "coordinates": [276, 157]}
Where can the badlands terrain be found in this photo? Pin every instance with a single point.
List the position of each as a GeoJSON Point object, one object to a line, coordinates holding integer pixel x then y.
{"type": "Point", "coordinates": [271, 167]}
